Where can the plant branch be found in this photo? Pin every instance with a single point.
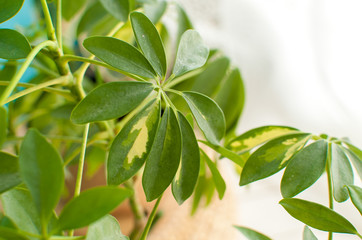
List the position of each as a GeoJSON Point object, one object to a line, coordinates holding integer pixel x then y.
{"type": "Point", "coordinates": [174, 81]}
{"type": "Point", "coordinates": [150, 219]}
{"type": "Point", "coordinates": [61, 80]}
{"type": "Point", "coordinates": [16, 78]}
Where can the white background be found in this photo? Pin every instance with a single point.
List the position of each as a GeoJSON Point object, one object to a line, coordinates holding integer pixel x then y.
{"type": "Point", "coordinates": [301, 61]}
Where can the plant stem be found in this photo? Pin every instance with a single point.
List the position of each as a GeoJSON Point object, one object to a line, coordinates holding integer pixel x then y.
{"type": "Point", "coordinates": [78, 183]}
{"type": "Point", "coordinates": [59, 25]}
{"type": "Point", "coordinates": [60, 80]}
{"type": "Point", "coordinates": [65, 93]}
{"type": "Point", "coordinates": [150, 219]}
{"type": "Point", "coordinates": [137, 209]}
{"type": "Point", "coordinates": [48, 21]}
{"type": "Point", "coordinates": [16, 78]}
{"type": "Point", "coordinates": [359, 235]}
{"type": "Point", "coordinates": [330, 188]}
{"type": "Point", "coordinates": [173, 82]}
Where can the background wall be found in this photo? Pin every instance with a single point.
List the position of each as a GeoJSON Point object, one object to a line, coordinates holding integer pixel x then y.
{"type": "Point", "coordinates": [301, 62]}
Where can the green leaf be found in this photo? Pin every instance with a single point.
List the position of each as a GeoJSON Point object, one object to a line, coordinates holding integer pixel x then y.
{"type": "Point", "coordinates": [192, 53]}
{"type": "Point", "coordinates": [150, 42]}
{"type": "Point", "coordinates": [154, 11]}
{"type": "Point", "coordinates": [110, 100]}
{"type": "Point", "coordinates": [184, 22]}
{"type": "Point", "coordinates": [6, 222]}
{"type": "Point", "coordinates": [257, 136]}
{"type": "Point", "coordinates": [308, 234]}
{"type": "Point", "coordinates": [121, 55]}
{"type": "Point", "coordinates": [251, 234]}
{"type": "Point", "coordinates": [42, 171]}
{"type": "Point", "coordinates": [18, 205]}
{"type": "Point", "coordinates": [132, 145]}
{"type": "Point", "coordinates": [118, 8]}
{"type": "Point", "coordinates": [186, 177]}
{"type": "Point", "coordinates": [304, 168]}
{"type": "Point", "coordinates": [342, 173]}
{"type": "Point", "coordinates": [208, 116]}
{"type": "Point", "coordinates": [271, 157]}
{"type": "Point", "coordinates": [355, 193]}
{"type": "Point", "coordinates": [317, 216]}
{"type": "Point", "coordinates": [90, 206]}
{"type": "Point", "coordinates": [3, 124]}
{"type": "Point", "coordinates": [355, 156]}
{"type": "Point", "coordinates": [163, 161]}
{"type": "Point", "coordinates": [71, 7]}
{"type": "Point", "coordinates": [11, 234]}
{"type": "Point", "coordinates": [105, 228]}
{"type": "Point", "coordinates": [9, 9]}
{"type": "Point", "coordinates": [9, 172]}
{"type": "Point", "coordinates": [216, 176]}
{"type": "Point", "coordinates": [226, 153]}
{"type": "Point", "coordinates": [231, 91]}
{"type": "Point", "coordinates": [13, 45]}
{"type": "Point", "coordinates": [91, 17]}
{"type": "Point", "coordinates": [210, 79]}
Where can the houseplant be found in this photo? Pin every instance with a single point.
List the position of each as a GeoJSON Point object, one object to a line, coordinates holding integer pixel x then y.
{"type": "Point", "coordinates": [137, 105]}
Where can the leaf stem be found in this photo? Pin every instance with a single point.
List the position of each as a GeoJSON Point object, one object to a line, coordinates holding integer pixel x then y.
{"type": "Point", "coordinates": [150, 219]}
{"type": "Point", "coordinates": [78, 183]}
{"type": "Point", "coordinates": [138, 212]}
{"type": "Point", "coordinates": [173, 82]}
{"type": "Point", "coordinates": [16, 78]}
{"type": "Point", "coordinates": [48, 21]}
{"type": "Point", "coordinates": [65, 93]}
{"type": "Point", "coordinates": [330, 187]}
{"type": "Point", "coordinates": [60, 80]}
{"type": "Point", "coordinates": [59, 25]}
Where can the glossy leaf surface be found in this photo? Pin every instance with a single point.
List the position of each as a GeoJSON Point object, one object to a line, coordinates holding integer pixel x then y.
{"type": "Point", "coordinates": [184, 22]}
{"type": "Point", "coordinates": [132, 145]}
{"type": "Point", "coordinates": [13, 45]}
{"type": "Point", "coordinates": [150, 42]}
{"type": "Point", "coordinates": [105, 228]}
{"type": "Point", "coordinates": [121, 55]}
{"type": "Point", "coordinates": [9, 171]}
{"type": "Point", "coordinates": [304, 168]}
{"type": "Point", "coordinates": [9, 9]}
{"type": "Point", "coordinates": [118, 8]}
{"type": "Point", "coordinates": [71, 7]}
{"type": "Point", "coordinates": [216, 176]}
{"type": "Point", "coordinates": [3, 124]}
{"type": "Point", "coordinates": [271, 157]}
{"type": "Point", "coordinates": [355, 193]}
{"type": "Point", "coordinates": [111, 100]}
{"type": "Point", "coordinates": [188, 172]}
{"type": "Point", "coordinates": [257, 136]}
{"type": "Point", "coordinates": [90, 206]}
{"type": "Point", "coordinates": [252, 234]}
{"type": "Point", "coordinates": [208, 116]}
{"type": "Point", "coordinates": [163, 161]}
{"type": "Point", "coordinates": [41, 168]}
{"type": "Point", "coordinates": [342, 173]}
{"type": "Point", "coordinates": [192, 53]}
{"type": "Point", "coordinates": [317, 216]}
{"type": "Point", "coordinates": [308, 234]}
